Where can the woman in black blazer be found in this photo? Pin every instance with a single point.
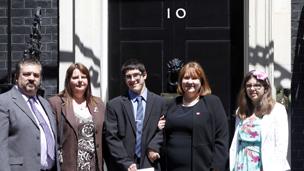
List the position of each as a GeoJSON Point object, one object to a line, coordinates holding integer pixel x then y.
{"type": "Point", "coordinates": [196, 128]}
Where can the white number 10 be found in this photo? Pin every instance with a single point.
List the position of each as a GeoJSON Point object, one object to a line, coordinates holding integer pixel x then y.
{"type": "Point", "coordinates": [180, 13]}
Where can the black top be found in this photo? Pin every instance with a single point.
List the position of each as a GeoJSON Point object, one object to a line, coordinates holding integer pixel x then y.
{"type": "Point", "coordinates": [179, 132]}
{"type": "Point", "coordinates": [206, 126]}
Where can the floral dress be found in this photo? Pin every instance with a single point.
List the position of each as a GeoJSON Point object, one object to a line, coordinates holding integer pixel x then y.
{"type": "Point", "coordinates": [249, 150]}
{"type": "Point", "coordinates": [86, 157]}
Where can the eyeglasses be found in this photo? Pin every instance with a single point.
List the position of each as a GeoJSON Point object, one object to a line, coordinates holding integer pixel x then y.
{"type": "Point", "coordinates": [255, 86]}
{"type": "Point", "coordinates": [135, 76]}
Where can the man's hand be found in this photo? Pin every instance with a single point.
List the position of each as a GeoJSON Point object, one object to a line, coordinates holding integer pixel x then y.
{"type": "Point", "coordinates": [161, 123]}
{"type": "Point", "coordinates": [153, 155]}
{"type": "Point", "coordinates": [132, 167]}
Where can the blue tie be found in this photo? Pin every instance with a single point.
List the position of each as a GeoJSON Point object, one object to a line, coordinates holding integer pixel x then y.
{"type": "Point", "coordinates": [47, 131]}
{"type": "Point", "coordinates": [139, 123]}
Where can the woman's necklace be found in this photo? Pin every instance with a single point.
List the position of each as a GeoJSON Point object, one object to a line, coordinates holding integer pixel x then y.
{"type": "Point", "coordinates": [81, 111]}
{"type": "Point", "coordinates": [80, 106]}
{"type": "Point", "coordinates": [190, 103]}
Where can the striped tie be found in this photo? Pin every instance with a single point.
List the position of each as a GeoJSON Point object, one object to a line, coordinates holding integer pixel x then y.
{"type": "Point", "coordinates": [139, 123]}
{"type": "Point", "coordinates": [47, 131]}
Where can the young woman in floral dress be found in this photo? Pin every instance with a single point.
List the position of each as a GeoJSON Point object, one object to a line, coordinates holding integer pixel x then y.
{"type": "Point", "coordinates": [260, 142]}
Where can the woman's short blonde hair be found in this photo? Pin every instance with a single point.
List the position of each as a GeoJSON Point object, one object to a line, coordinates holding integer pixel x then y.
{"type": "Point", "coordinates": [194, 70]}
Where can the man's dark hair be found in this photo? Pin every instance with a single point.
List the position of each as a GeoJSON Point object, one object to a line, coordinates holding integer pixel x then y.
{"type": "Point", "coordinates": [132, 64]}
{"type": "Point", "coordinates": [26, 60]}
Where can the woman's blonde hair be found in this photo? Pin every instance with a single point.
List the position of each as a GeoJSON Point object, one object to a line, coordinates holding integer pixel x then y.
{"type": "Point", "coordinates": [194, 70]}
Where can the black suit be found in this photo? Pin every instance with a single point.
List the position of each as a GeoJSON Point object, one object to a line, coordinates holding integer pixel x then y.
{"type": "Point", "coordinates": [120, 132]}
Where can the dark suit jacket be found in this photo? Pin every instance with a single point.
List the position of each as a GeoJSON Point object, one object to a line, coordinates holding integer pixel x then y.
{"type": "Point", "coordinates": [209, 135]}
{"type": "Point", "coordinates": [19, 133]}
{"type": "Point", "coordinates": [120, 132]}
{"type": "Point", "coordinates": [69, 137]}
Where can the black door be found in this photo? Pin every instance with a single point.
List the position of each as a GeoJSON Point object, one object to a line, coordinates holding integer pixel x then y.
{"type": "Point", "coordinates": [156, 31]}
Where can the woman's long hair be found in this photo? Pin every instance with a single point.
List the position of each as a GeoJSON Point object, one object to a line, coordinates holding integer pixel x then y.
{"type": "Point", "coordinates": [246, 107]}
{"type": "Point", "coordinates": [67, 92]}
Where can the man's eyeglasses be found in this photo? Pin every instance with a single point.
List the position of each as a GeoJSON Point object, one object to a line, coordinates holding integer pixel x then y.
{"type": "Point", "coordinates": [255, 86]}
{"type": "Point", "coordinates": [135, 76]}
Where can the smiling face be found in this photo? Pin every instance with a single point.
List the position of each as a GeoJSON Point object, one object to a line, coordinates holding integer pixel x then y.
{"type": "Point", "coordinates": [191, 85]}
{"type": "Point", "coordinates": [135, 80]}
{"type": "Point", "coordinates": [254, 90]}
{"type": "Point", "coordinates": [78, 83]}
{"type": "Point", "coordinates": [29, 79]}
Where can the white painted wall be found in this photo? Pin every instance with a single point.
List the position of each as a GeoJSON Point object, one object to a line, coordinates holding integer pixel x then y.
{"type": "Point", "coordinates": [65, 36]}
{"type": "Point", "coordinates": [89, 43]}
{"type": "Point", "coordinates": [269, 36]}
{"type": "Point", "coordinates": [281, 25]}
{"type": "Point", "coordinates": [260, 55]}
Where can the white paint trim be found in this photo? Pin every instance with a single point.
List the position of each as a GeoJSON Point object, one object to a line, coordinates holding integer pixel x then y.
{"type": "Point", "coordinates": [104, 54]}
{"type": "Point", "coordinates": [267, 38]}
{"type": "Point", "coordinates": [88, 41]}
{"type": "Point", "coordinates": [65, 36]}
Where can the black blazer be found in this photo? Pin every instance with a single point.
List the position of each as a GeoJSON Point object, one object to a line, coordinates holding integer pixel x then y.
{"type": "Point", "coordinates": [120, 132]}
{"type": "Point", "coordinates": [210, 137]}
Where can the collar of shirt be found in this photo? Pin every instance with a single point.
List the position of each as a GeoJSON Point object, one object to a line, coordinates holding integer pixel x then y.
{"type": "Point", "coordinates": [133, 95]}
{"type": "Point", "coordinates": [25, 97]}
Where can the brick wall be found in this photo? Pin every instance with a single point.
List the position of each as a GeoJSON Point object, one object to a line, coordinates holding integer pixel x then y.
{"type": "Point", "coordinates": [21, 14]}
{"type": "Point", "coordinates": [3, 39]}
{"type": "Point", "coordinates": [297, 87]}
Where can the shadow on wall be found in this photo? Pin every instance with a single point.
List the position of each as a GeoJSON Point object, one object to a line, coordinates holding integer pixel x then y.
{"type": "Point", "coordinates": [263, 56]}
{"type": "Point", "coordinates": [88, 53]}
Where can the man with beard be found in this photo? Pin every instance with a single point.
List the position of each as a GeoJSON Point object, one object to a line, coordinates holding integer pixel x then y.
{"type": "Point", "coordinates": [27, 125]}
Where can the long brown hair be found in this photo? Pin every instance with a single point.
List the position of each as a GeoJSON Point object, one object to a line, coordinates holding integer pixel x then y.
{"type": "Point", "coordinates": [67, 92]}
{"type": "Point", "coordinates": [246, 107]}
{"type": "Point", "coordinates": [196, 71]}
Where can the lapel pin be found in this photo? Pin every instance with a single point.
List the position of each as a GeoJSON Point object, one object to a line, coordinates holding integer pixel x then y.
{"type": "Point", "coordinates": [198, 113]}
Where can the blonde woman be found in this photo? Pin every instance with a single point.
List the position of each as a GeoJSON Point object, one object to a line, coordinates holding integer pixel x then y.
{"type": "Point", "coordinates": [196, 128]}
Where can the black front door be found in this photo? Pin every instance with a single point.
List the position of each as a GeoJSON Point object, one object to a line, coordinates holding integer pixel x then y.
{"type": "Point", "coordinates": [156, 31]}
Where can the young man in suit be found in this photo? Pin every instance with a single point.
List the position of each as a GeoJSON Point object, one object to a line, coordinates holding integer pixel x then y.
{"type": "Point", "coordinates": [132, 137]}
{"type": "Point", "coordinates": [27, 125]}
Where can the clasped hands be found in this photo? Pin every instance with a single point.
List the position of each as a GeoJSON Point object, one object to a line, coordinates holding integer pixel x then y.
{"type": "Point", "coordinates": [152, 155]}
